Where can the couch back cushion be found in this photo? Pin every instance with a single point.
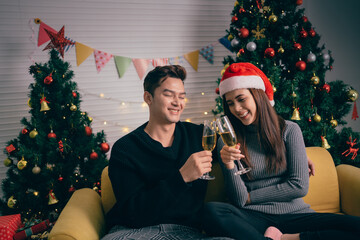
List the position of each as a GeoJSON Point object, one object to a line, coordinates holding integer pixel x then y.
{"type": "Point", "coordinates": [323, 195]}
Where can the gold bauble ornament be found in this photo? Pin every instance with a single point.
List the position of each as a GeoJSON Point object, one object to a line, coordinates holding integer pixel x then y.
{"type": "Point", "coordinates": [7, 162]}
{"type": "Point", "coordinates": [29, 103]}
{"type": "Point", "coordinates": [352, 95]}
{"type": "Point", "coordinates": [22, 163]}
{"type": "Point", "coordinates": [11, 202]}
{"type": "Point", "coordinates": [36, 193]}
{"type": "Point", "coordinates": [273, 18]}
{"type": "Point", "coordinates": [33, 133]}
{"type": "Point", "coordinates": [293, 94]}
{"type": "Point", "coordinates": [315, 80]}
{"type": "Point", "coordinates": [333, 123]}
{"type": "Point", "coordinates": [90, 119]}
{"type": "Point", "coordinates": [73, 108]}
{"type": "Point", "coordinates": [317, 118]}
{"type": "Point", "coordinates": [36, 170]}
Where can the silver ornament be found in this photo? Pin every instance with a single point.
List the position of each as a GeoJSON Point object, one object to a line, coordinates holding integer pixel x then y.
{"type": "Point", "coordinates": [311, 57]}
{"type": "Point", "coordinates": [234, 42]}
{"type": "Point", "coordinates": [251, 46]}
{"type": "Point", "coordinates": [326, 56]}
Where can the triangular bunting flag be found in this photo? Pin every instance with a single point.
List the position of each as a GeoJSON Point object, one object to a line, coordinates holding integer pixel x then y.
{"type": "Point", "coordinates": [141, 66]}
{"type": "Point", "coordinates": [193, 59]}
{"type": "Point", "coordinates": [224, 41]}
{"type": "Point", "coordinates": [101, 58]}
{"type": "Point", "coordinates": [43, 36]}
{"type": "Point", "coordinates": [122, 64]}
{"type": "Point", "coordinates": [70, 45]}
{"type": "Point", "coordinates": [159, 62]}
{"type": "Point", "coordinates": [179, 60]}
{"type": "Point", "coordinates": [82, 52]}
{"type": "Point", "coordinates": [208, 53]}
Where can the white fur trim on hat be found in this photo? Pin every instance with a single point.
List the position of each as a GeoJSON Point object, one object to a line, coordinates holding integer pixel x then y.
{"type": "Point", "coordinates": [237, 82]}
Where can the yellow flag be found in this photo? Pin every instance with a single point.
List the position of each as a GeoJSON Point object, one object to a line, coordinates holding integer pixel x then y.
{"type": "Point", "coordinates": [82, 52]}
{"type": "Point", "coordinates": [193, 59]}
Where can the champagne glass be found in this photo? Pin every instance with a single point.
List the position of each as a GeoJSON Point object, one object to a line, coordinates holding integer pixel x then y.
{"type": "Point", "coordinates": [228, 136]}
{"type": "Point", "coordinates": [208, 142]}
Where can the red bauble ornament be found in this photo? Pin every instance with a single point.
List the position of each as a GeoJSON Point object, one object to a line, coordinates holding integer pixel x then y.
{"type": "Point", "coordinates": [269, 52]}
{"type": "Point", "coordinates": [299, 2]}
{"type": "Point", "coordinates": [300, 65]}
{"type": "Point", "coordinates": [25, 131]}
{"type": "Point", "coordinates": [217, 90]}
{"type": "Point", "coordinates": [60, 179]}
{"type": "Point", "coordinates": [326, 87]}
{"type": "Point", "coordinates": [312, 33]}
{"type": "Point", "coordinates": [48, 80]}
{"type": "Point", "coordinates": [234, 19]}
{"type": "Point", "coordinates": [74, 94]}
{"type": "Point", "coordinates": [94, 156]}
{"type": "Point", "coordinates": [297, 46]}
{"type": "Point", "coordinates": [242, 10]}
{"type": "Point", "coordinates": [51, 135]}
{"type": "Point", "coordinates": [305, 19]}
{"type": "Point", "coordinates": [104, 147]}
{"type": "Point", "coordinates": [243, 32]}
{"type": "Point", "coordinates": [71, 189]}
{"type": "Point", "coordinates": [303, 33]}
{"type": "Point", "coordinates": [88, 131]}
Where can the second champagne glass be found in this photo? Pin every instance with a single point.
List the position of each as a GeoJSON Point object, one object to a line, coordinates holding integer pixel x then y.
{"type": "Point", "coordinates": [208, 142]}
{"type": "Point", "coordinates": [228, 136]}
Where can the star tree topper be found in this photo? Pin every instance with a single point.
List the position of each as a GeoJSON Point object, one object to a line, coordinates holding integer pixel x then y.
{"type": "Point", "coordinates": [58, 41]}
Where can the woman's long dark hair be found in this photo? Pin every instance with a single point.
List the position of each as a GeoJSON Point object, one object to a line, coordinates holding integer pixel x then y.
{"type": "Point", "coordinates": [270, 131]}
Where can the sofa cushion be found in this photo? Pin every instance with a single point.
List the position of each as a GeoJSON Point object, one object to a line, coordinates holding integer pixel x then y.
{"type": "Point", "coordinates": [323, 195]}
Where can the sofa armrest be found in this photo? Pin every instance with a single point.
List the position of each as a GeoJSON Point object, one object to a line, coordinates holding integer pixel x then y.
{"type": "Point", "coordinates": [349, 184]}
{"type": "Point", "coordinates": [82, 218]}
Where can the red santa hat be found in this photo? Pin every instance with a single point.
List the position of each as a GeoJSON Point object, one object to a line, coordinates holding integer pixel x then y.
{"type": "Point", "coordinates": [245, 75]}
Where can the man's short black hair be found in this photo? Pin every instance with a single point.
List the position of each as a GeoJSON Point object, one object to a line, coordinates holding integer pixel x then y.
{"type": "Point", "coordinates": [159, 74]}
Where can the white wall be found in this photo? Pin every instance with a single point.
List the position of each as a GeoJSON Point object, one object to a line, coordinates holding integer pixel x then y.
{"type": "Point", "coordinates": [131, 28]}
{"type": "Point", "coordinates": [142, 29]}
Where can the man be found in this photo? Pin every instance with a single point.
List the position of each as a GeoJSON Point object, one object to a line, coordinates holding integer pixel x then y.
{"type": "Point", "coordinates": [155, 169]}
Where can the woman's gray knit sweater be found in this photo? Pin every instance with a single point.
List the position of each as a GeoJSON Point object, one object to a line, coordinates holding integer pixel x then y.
{"type": "Point", "coordinates": [271, 193]}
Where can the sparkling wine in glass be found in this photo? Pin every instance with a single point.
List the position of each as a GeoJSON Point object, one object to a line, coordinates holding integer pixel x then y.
{"type": "Point", "coordinates": [228, 136]}
{"type": "Point", "coordinates": [208, 142]}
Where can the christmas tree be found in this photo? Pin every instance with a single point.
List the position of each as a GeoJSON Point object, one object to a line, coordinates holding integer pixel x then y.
{"type": "Point", "coordinates": [56, 151]}
{"type": "Point", "coordinates": [277, 37]}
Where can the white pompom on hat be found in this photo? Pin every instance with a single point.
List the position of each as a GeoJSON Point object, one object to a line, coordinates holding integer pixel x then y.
{"type": "Point", "coordinates": [245, 75]}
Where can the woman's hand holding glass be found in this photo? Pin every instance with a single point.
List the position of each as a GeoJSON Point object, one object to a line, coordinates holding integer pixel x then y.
{"type": "Point", "coordinates": [228, 136]}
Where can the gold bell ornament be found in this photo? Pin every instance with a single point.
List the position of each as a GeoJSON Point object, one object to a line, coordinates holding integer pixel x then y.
{"type": "Point", "coordinates": [52, 198]}
{"type": "Point", "coordinates": [44, 104]}
{"type": "Point", "coordinates": [324, 143]}
{"type": "Point", "coordinates": [296, 114]}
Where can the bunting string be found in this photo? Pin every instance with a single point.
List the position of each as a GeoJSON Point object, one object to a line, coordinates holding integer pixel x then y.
{"type": "Point", "coordinates": [122, 63]}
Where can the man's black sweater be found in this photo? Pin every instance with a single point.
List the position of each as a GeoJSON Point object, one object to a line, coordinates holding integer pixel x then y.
{"type": "Point", "coordinates": [147, 184]}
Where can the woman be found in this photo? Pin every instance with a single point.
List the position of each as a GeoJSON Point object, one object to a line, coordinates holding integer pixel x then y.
{"type": "Point", "coordinates": [266, 202]}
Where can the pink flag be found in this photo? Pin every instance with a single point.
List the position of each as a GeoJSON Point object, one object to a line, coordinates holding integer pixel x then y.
{"type": "Point", "coordinates": [141, 66]}
{"type": "Point", "coordinates": [43, 36]}
{"type": "Point", "coordinates": [159, 62]}
{"type": "Point", "coordinates": [101, 58]}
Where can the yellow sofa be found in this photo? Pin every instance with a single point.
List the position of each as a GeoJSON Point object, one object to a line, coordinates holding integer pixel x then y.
{"type": "Point", "coordinates": [332, 189]}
